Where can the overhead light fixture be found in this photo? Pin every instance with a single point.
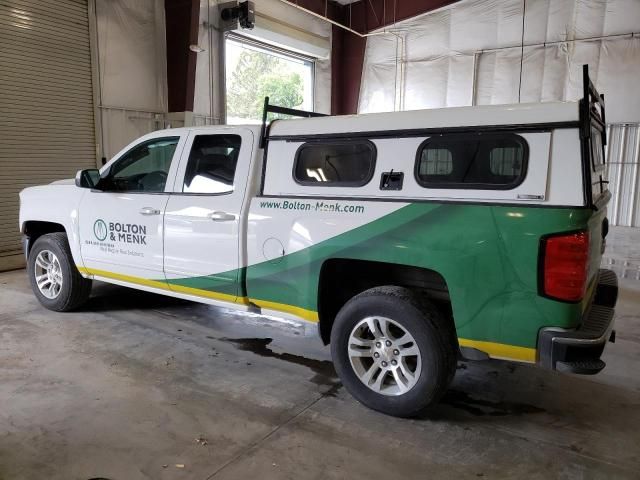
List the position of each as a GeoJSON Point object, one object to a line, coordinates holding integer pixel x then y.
{"type": "Point", "coordinates": [196, 48]}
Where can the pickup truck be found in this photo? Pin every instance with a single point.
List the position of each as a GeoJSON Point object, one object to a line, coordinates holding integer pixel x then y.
{"type": "Point", "coordinates": [412, 239]}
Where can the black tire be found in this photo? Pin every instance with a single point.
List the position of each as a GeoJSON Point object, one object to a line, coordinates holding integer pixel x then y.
{"type": "Point", "coordinates": [434, 336]}
{"type": "Point", "coordinates": [75, 289]}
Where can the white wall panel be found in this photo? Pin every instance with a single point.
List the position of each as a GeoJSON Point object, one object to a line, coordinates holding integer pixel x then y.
{"type": "Point", "coordinates": [379, 89]}
{"type": "Point", "coordinates": [417, 94]}
{"type": "Point", "coordinates": [123, 126]}
{"type": "Point", "coordinates": [438, 47]}
{"type": "Point", "coordinates": [623, 172]}
{"type": "Point", "coordinates": [132, 69]}
{"type": "Point", "coordinates": [132, 47]}
{"type": "Point", "coordinates": [498, 76]}
{"type": "Point", "coordinates": [619, 74]}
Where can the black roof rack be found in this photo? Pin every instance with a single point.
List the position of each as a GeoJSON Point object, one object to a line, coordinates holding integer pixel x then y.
{"type": "Point", "coordinates": [284, 111]}
{"type": "Point", "coordinates": [592, 105]}
{"type": "Point", "coordinates": [592, 115]}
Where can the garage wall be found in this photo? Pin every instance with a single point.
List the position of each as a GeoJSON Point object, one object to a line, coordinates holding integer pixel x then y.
{"type": "Point", "coordinates": [623, 172]}
{"type": "Point", "coordinates": [470, 52]}
{"type": "Point", "coordinates": [132, 70]}
{"type": "Point", "coordinates": [46, 103]}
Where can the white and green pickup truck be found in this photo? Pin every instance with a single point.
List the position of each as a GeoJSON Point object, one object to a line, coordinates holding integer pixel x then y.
{"type": "Point", "coordinates": [410, 238]}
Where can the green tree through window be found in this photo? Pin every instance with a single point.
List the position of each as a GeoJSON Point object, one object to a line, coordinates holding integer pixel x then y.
{"type": "Point", "coordinates": [258, 75]}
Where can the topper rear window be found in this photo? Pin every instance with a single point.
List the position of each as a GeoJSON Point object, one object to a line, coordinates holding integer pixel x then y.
{"type": "Point", "coordinates": [484, 161]}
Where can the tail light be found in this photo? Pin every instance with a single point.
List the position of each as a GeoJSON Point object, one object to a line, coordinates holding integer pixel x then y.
{"type": "Point", "coordinates": [565, 264]}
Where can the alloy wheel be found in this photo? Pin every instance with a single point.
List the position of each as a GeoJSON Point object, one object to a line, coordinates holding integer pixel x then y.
{"type": "Point", "coordinates": [384, 356]}
{"type": "Point", "coordinates": [48, 274]}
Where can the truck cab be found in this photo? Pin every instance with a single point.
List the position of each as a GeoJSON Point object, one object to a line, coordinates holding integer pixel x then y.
{"type": "Point", "coordinates": [169, 206]}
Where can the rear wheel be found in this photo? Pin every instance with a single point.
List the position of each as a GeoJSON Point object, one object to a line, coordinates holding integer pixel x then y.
{"type": "Point", "coordinates": [393, 350]}
{"type": "Point", "coordinates": [54, 278]}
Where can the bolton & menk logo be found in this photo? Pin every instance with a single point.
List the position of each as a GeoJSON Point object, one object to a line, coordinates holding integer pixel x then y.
{"type": "Point", "coordinates": [100, 230]}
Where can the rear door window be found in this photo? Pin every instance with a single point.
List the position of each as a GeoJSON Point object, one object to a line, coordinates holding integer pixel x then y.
{"type": "Point", "coordinates": [212, 163]}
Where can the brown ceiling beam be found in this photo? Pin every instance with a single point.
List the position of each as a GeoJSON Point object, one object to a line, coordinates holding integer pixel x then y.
{"type": "Point", "coordinates": [182, 19]}
{"type": "Point", "coordinates": [377, 14]}
{"type": "Point", "coordinates": [364, 16]}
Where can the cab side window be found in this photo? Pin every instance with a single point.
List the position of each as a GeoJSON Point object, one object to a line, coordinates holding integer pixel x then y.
{"type": "Point", "coordinates": [144, 168]}
{"type": "Point", "coordinates": [212, 164]}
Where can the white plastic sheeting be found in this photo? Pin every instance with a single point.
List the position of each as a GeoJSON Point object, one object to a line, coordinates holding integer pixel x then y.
{"type": "Point", "coordinates": [470, 53]}
{"type": "Point", "coordinates": [207, 101]}
{"type": "Point", "coordinates": [623, 173]}
{"type": "Point", "coordinates": [132, 69]}
{"type": "Point", "coordinates": [209, 92]}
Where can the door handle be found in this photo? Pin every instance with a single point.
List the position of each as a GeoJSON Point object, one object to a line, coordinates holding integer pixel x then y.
{"type": "Point", "coordinates": [221, 216]}
{"type": "Point", "coordinates": [149, 211]}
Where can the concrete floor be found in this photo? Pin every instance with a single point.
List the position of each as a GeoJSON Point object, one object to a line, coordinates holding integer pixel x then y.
{"type": "Point", "coordinates": [138, 386]}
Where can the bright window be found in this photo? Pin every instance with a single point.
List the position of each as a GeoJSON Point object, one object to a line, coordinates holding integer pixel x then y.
{"type": "Point", "coordinates": [254, 71]}
{"type": "Point", "coordinates": [144, 168]}
{"type": "Point", "coordinates": [212, 164]}
{"type": "Point", "coordinates": [335, 164]}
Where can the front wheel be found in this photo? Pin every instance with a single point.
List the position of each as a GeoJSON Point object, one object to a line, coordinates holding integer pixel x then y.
{"type": "Point", "coordinates": [393, 350]}
{"type": "Point", "coordinates": [54, 278]}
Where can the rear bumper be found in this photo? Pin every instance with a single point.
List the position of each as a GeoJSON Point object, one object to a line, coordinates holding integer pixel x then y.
{"type": "Point", "coordinates": [578, 350]}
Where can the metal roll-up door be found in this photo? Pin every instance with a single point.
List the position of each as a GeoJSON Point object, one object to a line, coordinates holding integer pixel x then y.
{"type": "Point", "coordinates": [47, 127]}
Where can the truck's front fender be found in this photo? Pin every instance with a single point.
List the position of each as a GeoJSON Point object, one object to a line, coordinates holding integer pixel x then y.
{"type": "Point", "coordinates": [56, 204]}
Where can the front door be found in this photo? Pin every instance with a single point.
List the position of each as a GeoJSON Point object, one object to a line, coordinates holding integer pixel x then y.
{"type": "Point", "coordinates": [121, 221]}
{"type": "Point", "coordinates": [202, 249]}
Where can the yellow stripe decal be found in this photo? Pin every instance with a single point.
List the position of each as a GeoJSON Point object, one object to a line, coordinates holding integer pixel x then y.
{"type": "Point", "coordinates": [164, 286]}
{"type": "Point", "coordinates": [501, 350]}
{"type": "Point", "coordinates": [205, 293]}
{"type": "Point", "coordinates": [124, 278]}
{"type": "Point", "coordinates": [308, 315]}
{"type": "Point", "coordinates": [494, 350]}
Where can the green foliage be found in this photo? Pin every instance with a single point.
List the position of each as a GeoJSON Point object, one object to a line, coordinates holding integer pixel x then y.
{"type": "Point", "coordinates": [258, 75]}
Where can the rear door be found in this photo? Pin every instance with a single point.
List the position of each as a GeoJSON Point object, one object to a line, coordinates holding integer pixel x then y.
{"type": "Point", "coordinates": [202, 251]}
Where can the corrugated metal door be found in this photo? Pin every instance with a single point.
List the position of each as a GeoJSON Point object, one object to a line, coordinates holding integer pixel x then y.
{"type": "Point", "coordinates": [47, 128]}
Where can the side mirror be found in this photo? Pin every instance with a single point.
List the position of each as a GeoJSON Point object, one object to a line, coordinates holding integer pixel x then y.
{"type": "Point", "coordinates": [87, 178]}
